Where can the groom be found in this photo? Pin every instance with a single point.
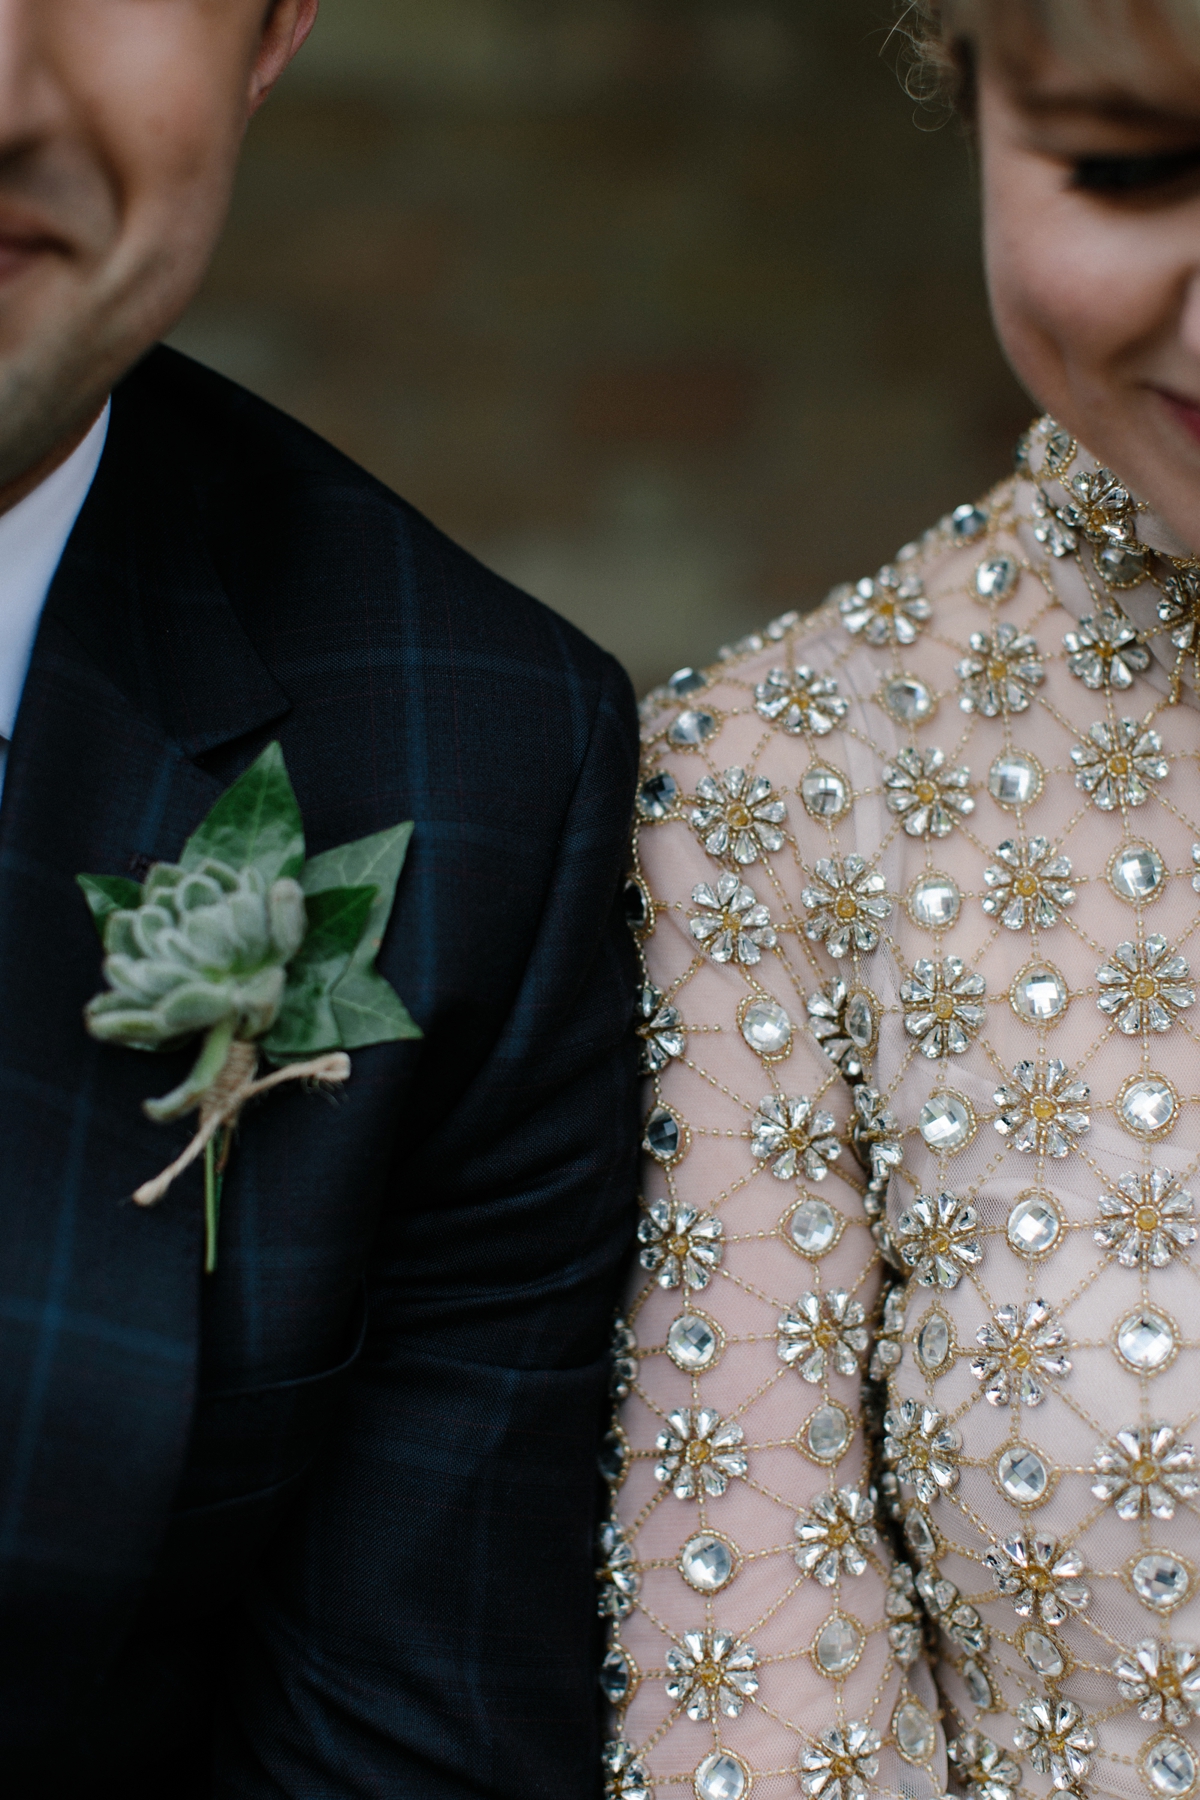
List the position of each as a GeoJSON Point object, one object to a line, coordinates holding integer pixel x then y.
{"type": "Point", "coordinates": [319, 1525]}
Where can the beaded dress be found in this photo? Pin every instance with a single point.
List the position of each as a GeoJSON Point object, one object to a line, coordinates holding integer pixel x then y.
{"type": "Point", "coordinates": [904, 1497]}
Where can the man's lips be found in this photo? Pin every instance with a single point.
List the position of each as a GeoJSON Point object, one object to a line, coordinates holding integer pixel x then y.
{"type": "Point", "coordinates": [1186, 411]}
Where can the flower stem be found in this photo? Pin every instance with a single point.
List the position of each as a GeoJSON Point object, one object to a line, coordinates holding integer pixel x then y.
{"type": "Point", "coordinates": [213, 1181]}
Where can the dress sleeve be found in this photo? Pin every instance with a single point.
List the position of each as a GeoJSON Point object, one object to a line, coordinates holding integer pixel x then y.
{"type": "Point", "coordinates": [761, 1633]}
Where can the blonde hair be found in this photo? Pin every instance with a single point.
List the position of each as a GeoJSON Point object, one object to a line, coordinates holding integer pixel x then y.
{"type": "Point", "coordinates": [938, 33]}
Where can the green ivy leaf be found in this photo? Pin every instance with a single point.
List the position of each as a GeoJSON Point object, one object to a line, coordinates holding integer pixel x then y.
{"type": "Point", "coordinates": [256, 822]}
{"type": "Point", "coordinates": [367, 1008]}
{"type": "Point", "coordinates": [307, 1025]}
{"type": "Point", "coordinates": [107, 894]}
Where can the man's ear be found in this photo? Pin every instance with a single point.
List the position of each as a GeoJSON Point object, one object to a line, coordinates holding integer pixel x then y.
{"type": "Point", "coordinates": [287, 24]}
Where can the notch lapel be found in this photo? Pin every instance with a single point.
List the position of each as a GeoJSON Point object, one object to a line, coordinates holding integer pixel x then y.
{"type": "Point", "coordinates": [140, 665]}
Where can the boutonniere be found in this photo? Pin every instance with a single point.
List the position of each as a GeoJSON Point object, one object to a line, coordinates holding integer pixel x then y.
{"type": "Point", "coordinates": [261, 954]}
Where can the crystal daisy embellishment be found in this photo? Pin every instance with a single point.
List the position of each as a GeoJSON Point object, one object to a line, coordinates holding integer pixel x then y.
{"type": "Point", "coordinates": [1146, 1221]}
{"type": "Point", "coordinates": [1029, 886]}
{"type": "Point", "coordinates": [937, 1239]}
{"type": "Point", "coordinates": [1162, 1680]}
{"type": "Point", "coordinates": [943, 1006]}
{"type": "Point", "coordinates": [1042, 1579]}
{"type": "Point", "coordinates": [739, 816]}
{"type": "Point", "coordinates": [680, 1245]}
{"type": "Point", "coordinates": [712, 1673]}
{"type": "Point", "coordinates": [823, 1332]}
{"type": "Point", "coordinates": [1179, 612]}
{"type": "Point", "coordinates": [1117, 765]}
{"type": "Point", "coordinates": [794, 1137]}
{"type": "Point", "coordinates": [1043, 1110]}
{"type": "Point", "coordinates": [1105, 652]}
{"type": "Point", "coordinates": [731, 924]}
{"type": "Point", "coordinates": [847, 904]}
{"type": "Point", "coordinates": [891, 609]}
{"type": "Point", "coordinates": [835, 1534]}
{"type": "Point", "coordinates": [1022, 1349]}
{"type": "Point", "coordinates": [799, 700]}
{"type": "Point", "coordinates": [1143, 986]}
{"type": "Point", "coordinates": [843, 1766]}
{"type": "Point", "coordinates": [985, 1770]}
{"type": "Point", "coordinates": [699, 1452]}
{"type": "Point", "coordinates": [1002, 672]}
{"type": "Point", "coordinates": [1144, 1471]}
{"type": "Point", "coordinates": [927, 797]}
{"type": "Point", "coordinates": [921, 1449]}
{"type": "Point", "coordinates": [1059, 1742]}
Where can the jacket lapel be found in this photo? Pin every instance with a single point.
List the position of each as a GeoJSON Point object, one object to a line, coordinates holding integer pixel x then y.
{"type": "Point", "coordinates": [140, 665]}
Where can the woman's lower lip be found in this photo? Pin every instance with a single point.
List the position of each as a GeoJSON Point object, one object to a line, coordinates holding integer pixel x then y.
{"type": "Point", "coordinates": [1187, 413]}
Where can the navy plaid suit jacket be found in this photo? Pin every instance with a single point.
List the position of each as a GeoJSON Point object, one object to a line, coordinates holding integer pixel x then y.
{"type": "Point", "coordinates": [320, 1525]}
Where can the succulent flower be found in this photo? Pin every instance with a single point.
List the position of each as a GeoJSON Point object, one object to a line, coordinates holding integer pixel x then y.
{"type": "Point", "coordinates": [1032, 887]}
{"type": "Point", "coordinates": [843, 1766]}
{"type": "Point", "coordinates": [680, 1244]}
{"type": "Point", "coordinates": [1022, 1348]}
{"type": "Point", "coordinates": [891, 609]}
{"type": "Point", "coordinates": [738, 816]}
{"type": "Point", "coordinates": [1147, 1221]}
{"type": "Point", "coordinates": [847, 904]}
{"type": "Point", "coordinates": [793, 1138]}
{"type": "Point", "coordinates": [1142, 1472]}
{"type": "Point", "coordinates": [1001, 672]}
{"type": "Point", "coordinates": [943, 1006]}
{"type": "Point", "coordinates": [731, 924]}
{"type": "Point", "coordinates": [834, 1535]}
{"type": "Point", "coordinates": [1043, 1580]}
{"type": "Point", "coordinates": [928, 798]}
{"type": "Point", "coordinates": [985, 1770]}
{"type": "Point", "coordinates": [1043, 1111]}
{"type": "Point", "coordinates": [618, 1575]}
{"type": "Point", "coordinates": [1143, 986]}
{"type": "Point", "coordinates": [1106, 651]}
{"type": "Point", "coordinates": [625, 1778]}
{"type": "Point", "coordinates": [1058, 1740]}
{"type": "Point", "coordinates": [799, 700]}
{"type": "Point", "coordinates": [921, 1449]}
{"type": "Point", "coordinates": [936, 1239]}
{"type": "Point", "coordinates": [660, 1028]}
{"type": "Point", "coordinates": [1116, 764]}
{"type": "Point", "coordinates": [699, 1451]}
{"type": "Point", "coordinates": [823, 1330]}
{"type": "Point", "coordinates": [1162, 1680]}
{"type": "Point", "coordinates": [207, 946]}
{"type": "Point", "coordinates": [712, 1674]}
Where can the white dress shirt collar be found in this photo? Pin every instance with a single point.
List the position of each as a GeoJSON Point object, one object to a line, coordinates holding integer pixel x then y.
{"type": "Point", "coordinates": [33, 536]}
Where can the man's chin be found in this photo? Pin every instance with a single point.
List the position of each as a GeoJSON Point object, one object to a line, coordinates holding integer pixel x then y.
{"type": "Point", "coordinates": [50, 389]}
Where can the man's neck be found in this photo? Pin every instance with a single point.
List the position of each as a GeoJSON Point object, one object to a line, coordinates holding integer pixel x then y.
{"type": "Point", "coordinates": [13, 492]}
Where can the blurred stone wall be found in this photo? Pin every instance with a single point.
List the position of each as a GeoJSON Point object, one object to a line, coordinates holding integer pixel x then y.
{"type": "Point", "coordinates": [668, 309]}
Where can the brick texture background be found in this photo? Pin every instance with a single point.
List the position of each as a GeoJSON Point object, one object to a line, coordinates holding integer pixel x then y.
{"type": "Point", "coordinates": [668, 309]}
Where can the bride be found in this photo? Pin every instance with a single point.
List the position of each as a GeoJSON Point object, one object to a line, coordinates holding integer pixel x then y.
{"type": "Point", "coordinates": [904, 1492]}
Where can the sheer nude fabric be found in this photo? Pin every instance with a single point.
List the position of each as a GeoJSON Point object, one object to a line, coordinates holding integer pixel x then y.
{"type": "Point", "coordinates": [1046, 1306]}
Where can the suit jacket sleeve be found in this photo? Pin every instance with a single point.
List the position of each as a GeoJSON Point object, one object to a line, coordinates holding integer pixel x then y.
{"type": "Point", "coordinates": [427, 1622]}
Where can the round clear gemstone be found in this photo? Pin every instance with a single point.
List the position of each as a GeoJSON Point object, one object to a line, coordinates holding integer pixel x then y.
{"type": "Point", "coordinates": [686, 681]}
{"type": "Point", "coordinates": [908, 700]}
{"type": "Point", "coordinates": [978, 1686]}
{"type": "Point", "coordinates": [946, 1122]}
{"type": "Point", "coordinates": [693, 1343]}
{"type": "Point", "coordinates": [616, 1677]}
{"type": "Point", "coordinates": [614, 1456]}
{"type": "Point", "coordinates": [1120, 567]}
{"type": "Point", "coordinates": [657, 796]}
{"type": "Point", "coordinates": [968, 522]}
{"type": "Point", "coordinates": [1022, 1475]}
{"type": "Point", "coordinates": [1147, 1106]}
{"type": "Point", "coordinates": [859, 1017]}
{"type": "Point", "coordinates": [1034, 1225]}
{"type": "Point", "coordinates": [1161, 1580]}
{"type": "Point", "coordinates": [1015, 780]}
{"type": "Point", "coordinates": [1042, 1654]}
{"type": "Point", "coordinates": [721, 1777]}
{"type": "Point", "coordinates": [913, 1730]}
{"type": "Point", "coordinates": [663, 1135]}
{"type": "Point", "coordinates": [1170, 1767]}
{"type": "Point", "coordinates": [814, 1227]}
{"type": "Point", "coordinates": [1039, 995]}
{"type": "Point", "coordinates": [933, 1343]}
{"type": "Point", "coordinates": [838, 1645]}
{"type": "Point", "coordinates": [830, 1430]}
{"type": "Point", "coordinates": [1136, 873]}
{"type": "Point", "coordinates": [639, 908]}
{"type": "Point", "coordinates": [692, 728]}
{"type": "Point", "coordinates": [766, 1028]}
{"type": "Point", "coordinates": [933, 902]}
{"type": "Point", "coordinates": [1147, 1341]}
{"type": "Point", "coordinates": [996, 577]}
{"type": "Point", "coordinates": [825, 793]}
{"type": "Point", "coordinates": [707, 1563]}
